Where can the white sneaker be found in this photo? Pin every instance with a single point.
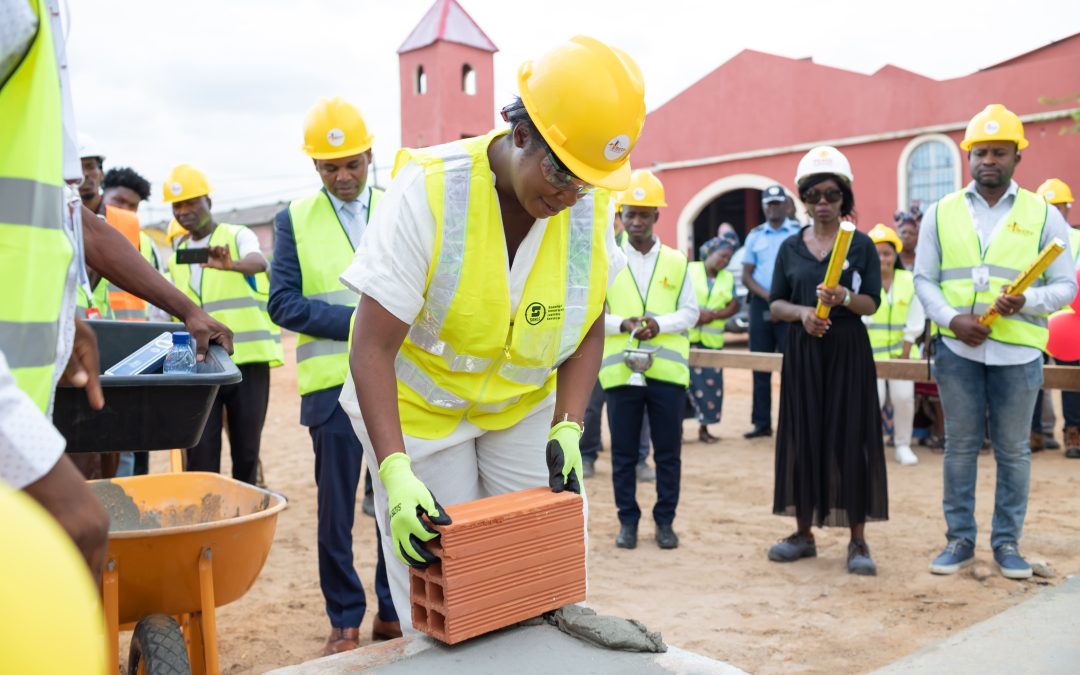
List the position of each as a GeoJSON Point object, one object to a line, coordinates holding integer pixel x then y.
{"type": "Point", "coordinates": [905, 456]}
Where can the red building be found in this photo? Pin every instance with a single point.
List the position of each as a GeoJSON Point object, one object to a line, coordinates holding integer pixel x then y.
{"type": "Point", "coordinates": [447, 81]}
{"type": "Point", "coordinates": [745, 125]}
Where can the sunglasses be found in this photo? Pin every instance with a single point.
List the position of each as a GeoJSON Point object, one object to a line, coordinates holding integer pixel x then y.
{"type": "Point", "coordinates": [832, 195]}
{"type": "Point", "coordinates": [560, 177]}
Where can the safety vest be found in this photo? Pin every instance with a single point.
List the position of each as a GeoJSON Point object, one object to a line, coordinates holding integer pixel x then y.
{"type": "Point", "coordinates": [1074, 244]}
{"type": "Point", "coordinates": [35, 250]}
{"type": "Point", "coordinates": [1014, 246]}
{"type": "Point", "coordinates": [710, 335]}
{"type": "Point", "coordinates": [467, 356]}
{"type": "Point", "coordinates": [111, 301]}
{"type": "Point", "coordinates": [325, 251]}
{"type": "Point", "coordinates": [229, 298]}
{"type": "Point", "coordinates": [671, 361]}
{"type": "Point", "coordinates": [886, 327]}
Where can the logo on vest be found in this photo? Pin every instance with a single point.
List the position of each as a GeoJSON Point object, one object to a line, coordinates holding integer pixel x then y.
{"type": "Point", "coordinates": [535, 313]}
{"type": "Point", "coordinates": [666, 283]}
{"type": "Point", "coordinates": [335, 137]}
{"type": "Point", "coordinates": [1015, 228]}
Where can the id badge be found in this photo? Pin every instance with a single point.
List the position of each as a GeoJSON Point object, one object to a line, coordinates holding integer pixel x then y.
{"type": "Point", "coordinates": [981, 277]}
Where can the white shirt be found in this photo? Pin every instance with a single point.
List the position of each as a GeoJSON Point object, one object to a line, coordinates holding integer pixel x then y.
{"type": "Point", "coordinates": [397, 250]}
{"type": "Point", "coordinates": [353, 215]}
{"type": "Point", "coordinates": [246, 243]}
{"type": "Point", "coordinates": [1058, 291]}
{"type": "Point", "coordinates": [641, 268]}
{"type": "Point", "coordinates": [29, 445]}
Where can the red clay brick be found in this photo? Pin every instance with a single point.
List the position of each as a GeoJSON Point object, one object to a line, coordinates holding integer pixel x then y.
{"type": "Point", "coordinates": [504, 559]}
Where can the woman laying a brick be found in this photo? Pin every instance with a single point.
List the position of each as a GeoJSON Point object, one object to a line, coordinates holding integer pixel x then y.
{"type": "Point", "coordinates": [479, 333]}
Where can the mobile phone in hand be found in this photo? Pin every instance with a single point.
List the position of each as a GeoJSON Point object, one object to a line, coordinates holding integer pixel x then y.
{"type": "Point", "coordinates": [193, 256]}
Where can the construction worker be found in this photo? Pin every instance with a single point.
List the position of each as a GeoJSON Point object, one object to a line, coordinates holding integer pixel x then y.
{"type": "Point", "coordinates": [42, 235]}
{"type": "Point", "coordinates": [714, 288]}
{"type": "Point", "coordinates": [315, 239]}
{"type": "Point", "coordinates": [972, 244]}
{"type": "Point", "coordinates": [479, 331]}
{"type": "Point", "coordinates": [893, 329]}
{"type": "Point", "coordinates": [232, 286]}
{"type": "Point", "coordinates": [651, 304]}
{"type": "Point", "coordinates": [1058, 194]}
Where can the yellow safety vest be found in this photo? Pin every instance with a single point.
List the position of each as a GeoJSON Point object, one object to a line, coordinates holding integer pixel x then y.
{"type": "Point", "coordinates": [671, 362]}
{"type": "Point", "coordinates": [35, 250]}
{"type": "Point", "coordinates": [1014, 246]}
{"type": "Point", "coordinates": [1074, 243]}
{"type": "Point", "coordinates": [229, 298]}
{"type": "Point", "coordinates": [886, 327]}
{"type": "Point", "coordinates": [466, 355]}
{"type": "Point", "coordinates": [711, 335]}
{"type": "Point", "coordinates": [324, 251]}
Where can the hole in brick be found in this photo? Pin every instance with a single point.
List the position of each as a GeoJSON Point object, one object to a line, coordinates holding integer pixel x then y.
{"type": "Point", "coordinates": [435, 594]}
{"type": "Point", "coordinates": [435, 569]}
{"type": "Point", "coordinates": [420, 617]}
{"type": "Point", "coordinates": [418, 589]}
{"type": "Point", "coordinates": [437, 622]}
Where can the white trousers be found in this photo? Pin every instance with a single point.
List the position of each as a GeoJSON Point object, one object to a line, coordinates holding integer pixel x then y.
{"type": "Point", "coordinates": [901, 393]}
{"type": "Point", "coordinates": [468, 464]}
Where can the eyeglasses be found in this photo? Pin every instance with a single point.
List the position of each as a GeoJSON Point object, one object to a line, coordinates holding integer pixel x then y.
{"type": "Point", "coordinates": [559, 176]}
{"type": "Point", "coordinates": [832, 195]}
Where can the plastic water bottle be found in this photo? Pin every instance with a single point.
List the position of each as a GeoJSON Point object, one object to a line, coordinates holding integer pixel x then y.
{"type": "Point", "coordinates": [181, 356]}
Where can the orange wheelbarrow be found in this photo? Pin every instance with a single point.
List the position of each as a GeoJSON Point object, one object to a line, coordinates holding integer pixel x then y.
{"type": "Point", "coordinates": [180, 545]}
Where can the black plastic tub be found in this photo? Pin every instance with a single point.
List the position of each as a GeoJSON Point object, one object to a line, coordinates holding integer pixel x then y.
{"type": "Point", "coordinates": [142, 412]}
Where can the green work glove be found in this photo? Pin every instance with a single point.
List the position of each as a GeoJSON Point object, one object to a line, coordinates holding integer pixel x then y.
{"type": "Point", "coordinates": [564, 457]}
{"type": "Point", "coordinates": [407, 499]}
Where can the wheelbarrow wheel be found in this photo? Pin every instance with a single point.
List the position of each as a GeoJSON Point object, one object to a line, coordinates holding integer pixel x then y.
{"type": "Point", "coordinates": [157, 648]}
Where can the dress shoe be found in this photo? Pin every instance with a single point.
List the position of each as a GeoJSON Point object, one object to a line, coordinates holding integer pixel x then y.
{"type": "Point", "coordinates": [666, 537]}
{"type": "Point", "coordinates": [1072, 442]}
{"type": "Point", "coordinates": [704, 436]}
{"type": "Point", "coordinates": [368, 504]}
{"type": "Point", "coordinates": [758, 432]}
{"type": "Point", "coordinates": [627, 536]}
{"type": "Point", "coordinates": [341, 640]}
{"type": "Point", "coordinates": [1037, 442]}
{"type": "Point", "coordinates": [385, 630]}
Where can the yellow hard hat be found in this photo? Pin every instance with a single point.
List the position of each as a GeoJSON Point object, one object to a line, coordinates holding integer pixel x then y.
{"type": "Point", "coordinates": [880, 234]}
{"type": "Point", "coordinates": [174, 231]}
{"type": "Point", "coordinates": [1055, 191]}
{"type": "Point", "coordinates": [994, 123]}
{"type": "Point", "coordinates": [42, 576]}
{"type": "Point", "coordinates": [645, 189]}
{"type": "Point", "coordinates": [588, 102]}
{"type": "Point", "coordinates": [334, 128]}
{"type": "Point", "coordinates": [185, 182]}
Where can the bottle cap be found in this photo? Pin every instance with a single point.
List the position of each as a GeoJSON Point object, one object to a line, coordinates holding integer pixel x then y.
{"type": "Point", "coordinates": [181, 338]}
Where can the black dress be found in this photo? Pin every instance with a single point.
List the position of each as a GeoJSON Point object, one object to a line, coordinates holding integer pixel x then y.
{"type": "Point", "coordinates": [830, 458]}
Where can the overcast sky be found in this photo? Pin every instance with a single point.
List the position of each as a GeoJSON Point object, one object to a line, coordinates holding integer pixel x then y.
{"type": "Point", "coordinates": [225, 85]}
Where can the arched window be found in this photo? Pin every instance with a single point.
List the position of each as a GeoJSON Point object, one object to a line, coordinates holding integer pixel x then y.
{"type": "Point", "coordinates": [468, 80]}
{"type": "Point", "coordinates": [421, 80]}
{"type": "Point", "coordinates": [929, 169]}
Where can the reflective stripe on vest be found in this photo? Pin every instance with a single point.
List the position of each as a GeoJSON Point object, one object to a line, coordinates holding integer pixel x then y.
{"type": "Point", "coordinates": [711, 335]}
{"type": "Point", "coordinates": [1014, 246]}
{"type": "Point", "coordinates": [466, 354]}
{"type": "Point", "coordinates": [35, 250]}
{"type": "Point", "coordinates": [886, 327]}
{"type": "Point", "coordinates": [671, 361]}
{"type": "Point", "coordinates": [324, 251]}
{"type": "Point", "coordinates": [229, 298]}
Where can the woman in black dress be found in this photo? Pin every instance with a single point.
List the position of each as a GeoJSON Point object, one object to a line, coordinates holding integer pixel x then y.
{"type": "Point", "coordinates": [830, 458]}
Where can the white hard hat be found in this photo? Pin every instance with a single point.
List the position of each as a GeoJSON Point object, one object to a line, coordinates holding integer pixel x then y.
{"type": "Point", "coordinates": [824, 159]}
{"type": "Point", "coordinates": [88, 147]}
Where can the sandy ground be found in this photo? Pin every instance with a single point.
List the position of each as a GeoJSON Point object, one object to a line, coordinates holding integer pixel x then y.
{"type": "Point", "coordinates": [717, 594]}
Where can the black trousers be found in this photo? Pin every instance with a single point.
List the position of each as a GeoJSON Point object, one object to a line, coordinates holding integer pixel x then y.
{"type": "Point", "coordinates": [765, 336]}
{"type": "Point", "coordinates": [245, 405]}
{"type": "Point", "coordinates": [338, 454]}
{"type": "Point", "coordinates": [664, 403]}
